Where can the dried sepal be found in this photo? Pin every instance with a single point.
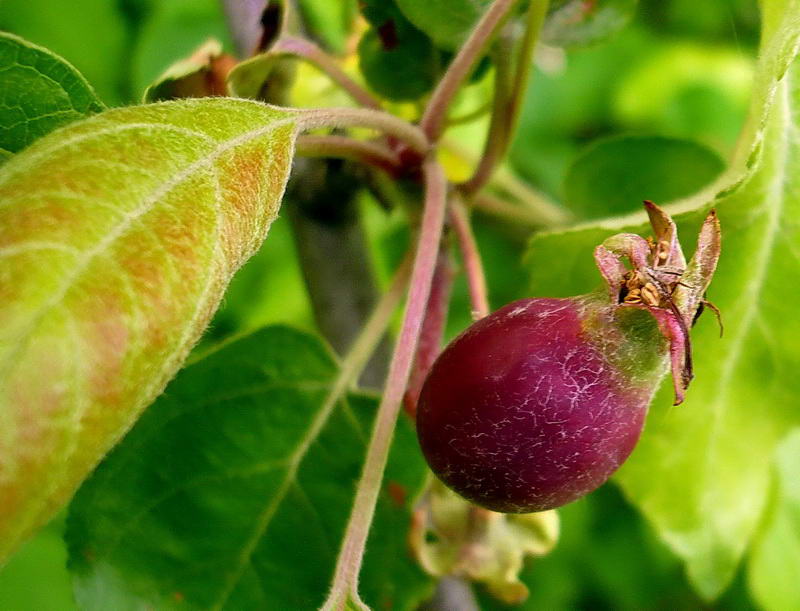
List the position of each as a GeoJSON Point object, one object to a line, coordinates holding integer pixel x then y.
{"type": "Point", "coordinates": [660, 281]}
{"type": "Point", "coordinates": [450, 536]}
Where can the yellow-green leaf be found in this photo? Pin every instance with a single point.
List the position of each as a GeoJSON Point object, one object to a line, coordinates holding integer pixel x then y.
{"type": "Point", "coordinates": [118, 236]}
{"type": "Point", "coordinates": [774, 569]}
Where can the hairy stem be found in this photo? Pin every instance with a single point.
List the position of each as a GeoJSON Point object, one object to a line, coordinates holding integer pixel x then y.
{"type": "Point", "coordinates": [434, 118]}
{"type": "Point", "coordinates": [430, 337]}
{"type": "Point", "coordinates": [309, 51]}
{"type": "Point", "coordinates": [344, 589]}
{"type": "Point", "coordinates": [497, 137]}
{"type": "Point", "coordinates": [476, 279]}
{"type": "Point", "coordinates": [342, 147]}
{"type": "Point", "coordinates": [506, 112]}
{"type": "Point", "coordinates": [314, 118]}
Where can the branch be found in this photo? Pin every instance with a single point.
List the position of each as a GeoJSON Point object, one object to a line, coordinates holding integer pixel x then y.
{"type": "Point", "coordinates": [430, 337]}
{"type": "Point", "coordinates": [497, 136]}
{"type": "Point", "coordinates": [433, 119]}
{"type": "Point", "coordinates": [506, 113]}
{"type": "Point", "coordinates": [309, 51]}
{"type": "Point", "coordinates": [341, 147]}
{"type": "Point", "coordinates": [344, 590]}
{"type": "Point", "coordinates": [314, 118]}
{"type": "Point", "coordinates": [476, 279]}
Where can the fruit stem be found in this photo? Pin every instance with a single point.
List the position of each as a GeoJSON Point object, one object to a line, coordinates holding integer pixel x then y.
{"type": "Point", "coordinates": [342, 147]}
{"type": "Point", "coordinates": [305, 49]}
{"type": "Point", "coordinates": [434, 118]}
{"type": "Point", "coordinates": [470, 255]}
{"type": "Point", "coordinates": [314, 118]}
{"type": "Point", "coordinates": [344, 589]}
{"type": "Point", "coordinates": [430, 338]}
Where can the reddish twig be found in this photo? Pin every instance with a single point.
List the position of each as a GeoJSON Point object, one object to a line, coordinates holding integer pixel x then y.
{"type": "Point", "coordinates": [434, 118]}
{"type": "Point", "coordinates": [342, 147]}
{"type": "Point", "coordinates": [307, 50]}
{"type": "Point", "coordinates": [344, 590]}
{"type": "Point", "coordinates": [476, 279]}
{"type": "Point", "coordinates": [430, 339]}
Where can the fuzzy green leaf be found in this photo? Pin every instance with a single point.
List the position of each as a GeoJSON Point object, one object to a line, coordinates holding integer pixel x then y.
{"type": "Point", "coordinates": [237, 487]}
{"type": "Point", "coordinates": [39, 92]}
{"type": "Point", "coordinates": [774, 569]}
{"type": "Point", "coordinates": [118, 235]}
{"type": "Point", "coordinates": [701, 471]}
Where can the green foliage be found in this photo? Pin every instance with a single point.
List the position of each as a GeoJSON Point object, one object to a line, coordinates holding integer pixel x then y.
{"type": "Point", "coordinates": [614, 175]}
{"type": "Point", "coordinates": [447, 22]}
{"type": "Point", "coordinates": [774, 569]}
{"type": "Point", "coordinates": [41, 92]}
{"type": "Point", "coordinates": [119, 235]}
{"type": "Point", "coordinates": [689, 475]}
{"type": "Point", "coordinates": [171, 31]}
{"type": "Point", "coordinates": [331, 22]}
{"type": "Point", "coordinates": [688, 90]}
{"type": "Point", "coordinates": [405, 68]}
{"type": "Point", "coordinates": [236, 477]}
{"type": "Point", "coordinates": [42, 560]}
{"type": "Point", "coordinates": [195, 77]}
{"type": "Point", "coordinates": [91, 34]}
{"type": "Point", "coordinates": [715, 477]}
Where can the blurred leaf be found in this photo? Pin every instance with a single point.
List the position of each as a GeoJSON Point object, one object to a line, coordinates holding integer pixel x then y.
{"type": "Point", "coordinates": [244, 22]}
{"type": "Point", "coordinates": [331, 22]}
{"type": "Point", "coordinates": [615, 174]}
{"type": "Point", "coordinates": [447, 22]}
{"type": "Point", "coordinates": [119, 234]}
{"type": "Point", "coordinates": [202, 74]}
{"type": "Point", "coordinates": [400, 62]}
{"type": "Point", "coordinates": [774, 569]}
{"type": "Point", "coordinates": [90, 34]}
{"type": "Point", "coordinates": [582, 22]}
{"type": "Point", "coordinates": [689, 475]}
{"type": "Point", "coordinates": [249, 78]}
{"type": "Point", "coordinates": [693, 91]}
{"type": "Point", "coordinates": [173, 29]}
{"type": "Point", "coordinates": [36, 578]}
{"type": "Point", "coordinates": [237, 490]}
{"type": "Point", "coordinates": [570, 103]}
{"type": "Point", "coordinates": [40, 92]}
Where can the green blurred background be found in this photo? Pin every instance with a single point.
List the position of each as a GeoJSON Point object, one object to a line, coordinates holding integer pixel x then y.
{"type": "Point", "coordinates": [680, 70]}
